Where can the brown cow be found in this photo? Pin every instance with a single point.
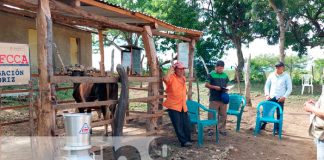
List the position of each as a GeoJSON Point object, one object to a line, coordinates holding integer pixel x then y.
{"type": "Point", "coordinates": [89, 92]}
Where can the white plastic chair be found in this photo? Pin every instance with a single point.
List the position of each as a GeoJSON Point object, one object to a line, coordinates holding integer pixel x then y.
{"type": "Point", "coordinates": [307, 81]}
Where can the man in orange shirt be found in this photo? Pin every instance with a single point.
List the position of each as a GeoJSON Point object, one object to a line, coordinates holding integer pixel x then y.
{"type": "Point", "coordinates": [175, 82]}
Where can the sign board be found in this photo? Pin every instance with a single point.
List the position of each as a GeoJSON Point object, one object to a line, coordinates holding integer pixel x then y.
{"type": "Point", "coordinates": [183, 53]}
{"type": "Point", "coordinates": [14, 64]}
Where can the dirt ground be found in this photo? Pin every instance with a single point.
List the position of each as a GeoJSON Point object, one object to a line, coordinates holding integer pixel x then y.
{"type": "Point", "coordinates": [295, 144]}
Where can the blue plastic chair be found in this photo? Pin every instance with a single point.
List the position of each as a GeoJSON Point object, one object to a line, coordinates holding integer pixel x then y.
{"type": "Point", "coordinates": [236, 108]}
{"type": "Point", "coordinates": [268, 111]}
{"type": "Point", "coordinates": [193, 111]}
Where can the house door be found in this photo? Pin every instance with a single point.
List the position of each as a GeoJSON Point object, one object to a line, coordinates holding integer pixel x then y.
{"type": "Point", "coordinates": [75, 50]}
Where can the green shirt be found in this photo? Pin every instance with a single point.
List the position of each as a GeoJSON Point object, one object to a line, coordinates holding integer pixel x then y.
{"type": "Point", "coordinates": [217, 79]}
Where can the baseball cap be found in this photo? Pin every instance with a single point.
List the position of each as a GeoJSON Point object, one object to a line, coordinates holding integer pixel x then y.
{"type": "Point", "coordinates": [178, 65]}
{"type": "Point", "coordinates": [220, 63]}
{"type": "Point", "coordinates": [280, 64]}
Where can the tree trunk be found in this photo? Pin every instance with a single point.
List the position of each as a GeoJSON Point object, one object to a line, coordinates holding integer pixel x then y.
{"type": "Point", "coordinates": [119, 116]}
{"type": "Point", "coordinates": [240, 58]}
{"type": "Point", "coordinates": [281, 21]}
{"type": "Point", "coordinates": [247, 82]}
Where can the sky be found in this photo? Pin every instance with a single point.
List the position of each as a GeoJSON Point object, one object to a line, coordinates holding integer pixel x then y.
{"type": "Point", "coordinates": [260, 46]}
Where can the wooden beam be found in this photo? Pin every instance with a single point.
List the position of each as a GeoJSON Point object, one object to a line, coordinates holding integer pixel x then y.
{"type": "Point", "coordinates": [65, 79]}
{"type": "Point", "coordinates": [141, 16]}
{"type": "Point", "coordinates": [143, 79]}
{"type": "Point", "coordinates": [102, 53]}
{"type": "Point", "coordinates": [149, 46]}
{"type": "Point", "coordinates": [83, 105]}
{"type": "Point", "coordinates": [147, 99]}
{"type": "Point", "coordinates": [12, 107]}
{"type": "Point", "coordinates": [191, 58]}
{"type": "Point", "coordinates": [157, 33]}
{"type": "Point", "coordinates": [60, 8]}
{"type": "Point", "coordinates": [73, 3]}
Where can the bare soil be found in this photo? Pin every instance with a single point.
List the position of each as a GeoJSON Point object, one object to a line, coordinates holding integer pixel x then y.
{"type": "Point", "coordinates": [295, 144]}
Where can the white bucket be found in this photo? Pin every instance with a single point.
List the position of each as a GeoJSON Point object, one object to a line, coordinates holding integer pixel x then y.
{"type": "Point", "coordinates": [77, 129]}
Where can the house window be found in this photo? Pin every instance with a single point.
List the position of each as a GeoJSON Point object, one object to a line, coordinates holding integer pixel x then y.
{"type": "Point", "coordinates": [32, 42]}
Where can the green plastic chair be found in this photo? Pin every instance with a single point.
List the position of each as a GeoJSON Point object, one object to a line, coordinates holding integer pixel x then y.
{"type": "Point", "coordinates": [265, 113]}
{"type": "Point", "coordinates": [236, 108]}
{"type": "Point", "coordinates": [193, 111]}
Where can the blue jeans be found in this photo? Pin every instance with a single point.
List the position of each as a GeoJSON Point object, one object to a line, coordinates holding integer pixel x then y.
{"type": "Point", "coordinates": [181, 124]}
{"type": "Point", "coordinates": [320, 149]}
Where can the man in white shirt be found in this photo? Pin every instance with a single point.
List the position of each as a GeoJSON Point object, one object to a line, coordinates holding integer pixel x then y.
{"type": "Point", "coordinates": [278, 87]}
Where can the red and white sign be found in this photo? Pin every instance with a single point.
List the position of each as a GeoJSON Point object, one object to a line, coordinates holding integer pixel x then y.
{"type": "Point", "coordinates": [85, 129]}
{"type": "Point", "coordinates": [14, 64]}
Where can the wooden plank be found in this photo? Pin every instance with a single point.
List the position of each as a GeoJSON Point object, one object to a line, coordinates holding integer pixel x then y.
{"type": "Point", "coordinates": [64, 88]}
{"type": "Point", "coordinates": [145, 116]}
{"type": "Point", "coordinates": [147, 99]}
{"type": "Point", "coordinates": [143, 79]}
{"type": "Point", "coordinates": [66, 101]}
{"type": "Point", "coordinates": [15, 91]}
{"type": "Point", "coordinates": [13, 107]}
{"type": "Point", "coordinates": [65, 79]}
{"type": "Point", "coordinates": [101, 123]}
{"type": "Point", "coordinates": [83, 105]}
{"type": "Point", "coordinates": [140, 89]}
{"type": "Point", "coordinates": [16, 122]}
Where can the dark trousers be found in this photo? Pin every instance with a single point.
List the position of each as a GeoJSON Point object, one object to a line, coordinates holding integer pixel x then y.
{"type": "Point", "coordinates": [181, 124]}
{"type": "Point", "coordinates": [278, 111]}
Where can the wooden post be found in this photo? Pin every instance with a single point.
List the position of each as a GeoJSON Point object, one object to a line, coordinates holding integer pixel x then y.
{"type": "Point", "coordinates": [102, 53]}
{"type": "Point", "coordinates": [31, 109]}
{"type": "Point", "coordinates": [154, 72]}
{"type": "Point", "coordinates": [247, 82]}
{"type": "Point", "coordinates": [45, 118]}
{"type": "Point", "coordinates": [44, 49]}
{"type": "Point", "coordinates": [191, 58]}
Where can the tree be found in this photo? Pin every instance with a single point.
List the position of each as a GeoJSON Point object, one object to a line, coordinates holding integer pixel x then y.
{"type": "Point", "coordinates": [230, 23]}
{"type": "Point", "coordinates": [299, 23]}
{"type": "Point", "coordinates": [279, 8]}
{"type": "Point", "coordinates": [306, 28]}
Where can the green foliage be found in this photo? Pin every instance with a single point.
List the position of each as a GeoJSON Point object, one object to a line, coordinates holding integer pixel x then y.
{"type": "Point", "coordinates": [262, 65]}
{"type": "Point", "coordinates": [303, 22]}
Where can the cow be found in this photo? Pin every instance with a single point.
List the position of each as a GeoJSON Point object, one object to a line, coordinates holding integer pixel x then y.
{"type": "Point", "coordinates": [89, 92]}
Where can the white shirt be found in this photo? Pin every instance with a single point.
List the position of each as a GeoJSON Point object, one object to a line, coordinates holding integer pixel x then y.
{"type": "Point", "coordinates": [278, 85]}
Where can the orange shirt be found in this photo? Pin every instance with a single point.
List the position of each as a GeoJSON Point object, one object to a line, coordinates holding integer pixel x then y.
{"type": "Point", "coordinates": [176, 93]}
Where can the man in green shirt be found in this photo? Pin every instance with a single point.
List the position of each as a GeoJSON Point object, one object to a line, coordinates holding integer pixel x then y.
{"type": "Point", "coordinates": [217, 82]}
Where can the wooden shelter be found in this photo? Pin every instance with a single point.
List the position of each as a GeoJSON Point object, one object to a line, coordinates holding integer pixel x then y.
{"type": "Point", "coordinates": [96, 16]}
